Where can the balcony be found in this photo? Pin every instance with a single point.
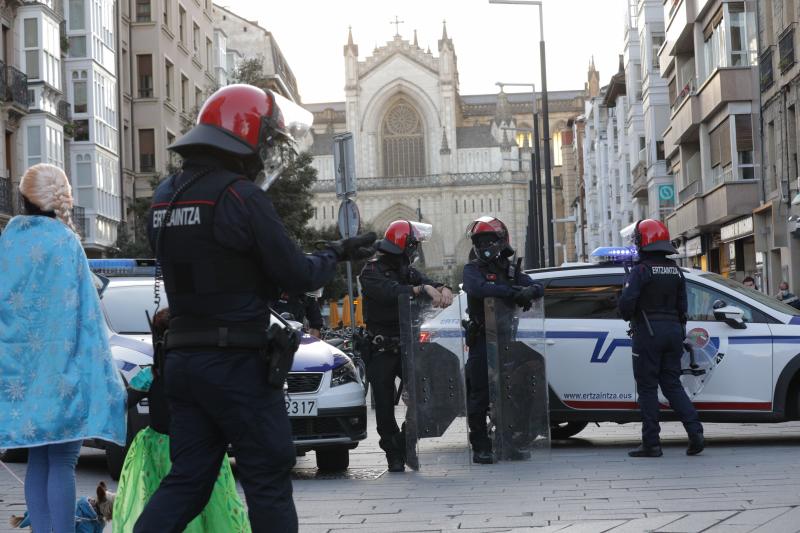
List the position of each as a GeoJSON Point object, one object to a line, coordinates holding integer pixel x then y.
{"type": "Point", "coordinates": [725, 85]}
{"type": "Point", "coordinates": [766, 74]}
{"type": "Point", "coordinates": [414, 182]}
{"type": "Point", "coordinates": [147, 162]}
{"type": "Point", "coordinates": [728, 200]}
{"type": "Point", "coordinates": [6, 195]}
{"type": "Point", "coordinates": [63, 110]}
{"type": "Point", "coordinates": [79, 220]}
{"type": "Point", "coordinates": [786, 49]}
{"type": "Point", "coordinates": [13, 86]}
{"type": "Point", "coordinates": [680, 16]}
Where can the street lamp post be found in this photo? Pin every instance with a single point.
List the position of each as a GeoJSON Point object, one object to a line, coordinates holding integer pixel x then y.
{"type": "Point", "coordinates": [536, 245]}
{"type": "Point", "coordinates": [551, 259]}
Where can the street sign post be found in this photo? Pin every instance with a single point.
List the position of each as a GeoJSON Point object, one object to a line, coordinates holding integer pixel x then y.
{"type": "Point", "coordinates": [344, 164]}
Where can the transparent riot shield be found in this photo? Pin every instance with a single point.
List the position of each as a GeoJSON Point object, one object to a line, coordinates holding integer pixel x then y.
{"type": "Point", "coordinates": [432, 348]}
{"type": "Point", "coordinates": [518, 392]}
{"type": "Point", "coordinates": [701, 354]}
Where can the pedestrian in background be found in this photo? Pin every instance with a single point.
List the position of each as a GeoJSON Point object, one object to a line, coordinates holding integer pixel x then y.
{"type": "Point", "coordinates": [750, 283]}
{"type": "Point", "coordinates": [786, 296]}
{"type": "Point", "coordinates": [60, 384]}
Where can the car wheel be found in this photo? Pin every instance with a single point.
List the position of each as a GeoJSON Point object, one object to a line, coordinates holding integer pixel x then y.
{"type": "Point", "coordinates": [115, 454]}
{"type": "Point", "coordinates": [16, 455]}
{"type": "Point", "coordinates": [333, 458]}
{"type": "Point", "coordinates": [565, 430]}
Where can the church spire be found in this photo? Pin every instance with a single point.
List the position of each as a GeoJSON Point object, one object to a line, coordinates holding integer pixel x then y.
{"type": "Point", "coordinates": [444, 30]}
{"type": "Point", "coordinates": [416, 42]}
{"type": "Point", "coordinates": [445, 149]}
{"type": "Point", "coordinates": [445, 40]}
{"type": "Point", "coordinates": [350, 47]}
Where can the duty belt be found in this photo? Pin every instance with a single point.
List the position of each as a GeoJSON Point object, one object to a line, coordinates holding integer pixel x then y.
{"type": "Point", "coordinates": [189, 333]}
{"type": "Point", "coordinates": [382, 341]}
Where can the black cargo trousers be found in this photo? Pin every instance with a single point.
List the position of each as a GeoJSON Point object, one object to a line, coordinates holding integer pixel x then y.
{"type": "Point", "coordinates": [384, 366]}
{"type": "Point", "coordinates": [217, 398]}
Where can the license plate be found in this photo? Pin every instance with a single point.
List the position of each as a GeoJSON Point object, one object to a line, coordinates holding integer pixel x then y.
{"type": "Point", "coordinates": [301, 407]}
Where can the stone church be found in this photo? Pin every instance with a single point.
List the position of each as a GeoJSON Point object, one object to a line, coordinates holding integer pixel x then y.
{"type": "Point", "coordinates": [426, 152]}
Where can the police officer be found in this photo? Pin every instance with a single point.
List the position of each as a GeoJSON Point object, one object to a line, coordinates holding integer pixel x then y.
{"type": "Point", "coordinates": [302, 307]}
{"type": "Point", "coordinates": [224, 251]}
{"type": "Point", "coordinates": [489, 274]}
{"type": "Point", "coordinates": [383, 280]}
{"type": "Point", "coordinates": [654, 301]}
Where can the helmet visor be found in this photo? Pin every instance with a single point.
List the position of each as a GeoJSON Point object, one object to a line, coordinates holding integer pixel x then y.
{"type": "Point", "coordinates": [421, 231]}
{"type": "Point", "coordinates": [292, 120]}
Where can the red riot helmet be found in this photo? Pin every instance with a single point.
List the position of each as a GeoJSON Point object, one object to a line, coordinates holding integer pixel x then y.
{"type": "Point", "coordinates": [403, 237]}
{"type": "Point", "coordinates": [652, 236]}
{"type": "Point", "coordinates": [490, 239]}
{"type": "Point", "coordinates": [255, 126]}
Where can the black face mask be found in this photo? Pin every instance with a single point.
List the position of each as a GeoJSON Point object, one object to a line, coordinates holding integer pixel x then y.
{"type": "Point", "coordinates": [31, 209]}
{"type": "Point", "coordinates": [491, 248]}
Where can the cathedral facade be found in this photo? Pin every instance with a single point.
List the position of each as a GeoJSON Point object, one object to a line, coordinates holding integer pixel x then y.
{"type": "Point", "coordinates": [426, 152]}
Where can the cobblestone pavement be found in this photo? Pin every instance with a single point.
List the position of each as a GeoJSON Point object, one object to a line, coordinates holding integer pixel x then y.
{"type": "Point", "coordinates": [748, 479]}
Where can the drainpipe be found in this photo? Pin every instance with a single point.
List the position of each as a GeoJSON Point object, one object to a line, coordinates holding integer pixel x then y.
{"type": "Point", "coordinates": [119, 119]}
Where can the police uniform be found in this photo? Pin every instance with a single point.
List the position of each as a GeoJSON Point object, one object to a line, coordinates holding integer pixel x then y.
{"type": "Point", "coordinates": [224, 253]}
{"type": "Point", "coordinates": [383, 280]}
{"type": "Point", "coordinates": [496, 279]}
{"type": "Point", "coordinates": [655, 294]}
{"type": "Point", "coordinates": [302, 307]}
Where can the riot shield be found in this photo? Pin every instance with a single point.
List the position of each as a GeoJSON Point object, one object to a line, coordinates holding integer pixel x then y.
{"type": "Point", "coordinates": [518, 392]}
{"type": "Point", "coordinates": [701, 355]}
{"type": "Point", "coordinates": [432, 349]}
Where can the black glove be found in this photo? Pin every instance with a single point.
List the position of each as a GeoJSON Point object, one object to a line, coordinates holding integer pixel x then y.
{"type": "Point", "coordinates": [354, 248]}
{"type": "Point", "coordinates": [524, 296]}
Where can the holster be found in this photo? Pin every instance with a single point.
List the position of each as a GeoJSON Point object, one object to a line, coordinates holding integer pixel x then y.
{"type": "Point", "coordinates": [282, 343]}
{"type": "Point", "coordinates": [472, 332]}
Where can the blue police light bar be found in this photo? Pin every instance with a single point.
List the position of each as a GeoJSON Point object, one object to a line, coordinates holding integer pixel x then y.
{"type": "Point", "coordinates": [123, 267]}
{"type": "Point", "coordinates": [614, 254]}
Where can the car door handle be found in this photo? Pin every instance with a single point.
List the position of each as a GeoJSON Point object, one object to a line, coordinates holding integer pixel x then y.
{"type": "Point", "coordinates": [548, 342]}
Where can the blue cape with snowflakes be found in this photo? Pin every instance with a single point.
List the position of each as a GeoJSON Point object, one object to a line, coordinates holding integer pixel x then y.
{"type": "Point", "coordinates": [58, 382]}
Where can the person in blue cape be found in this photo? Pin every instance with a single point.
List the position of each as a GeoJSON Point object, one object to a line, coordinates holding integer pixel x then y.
{"type": "Point", "coordinates": [58, 382]}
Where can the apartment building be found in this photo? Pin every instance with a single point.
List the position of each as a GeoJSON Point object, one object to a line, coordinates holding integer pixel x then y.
{"type": "Point", "coordinates": [775, 221]}
{"type": "Point", "coordinates": [167, 66]}
{"type": "Point", "coordinates": [708, 59]}
{"type": "Point", "coordinates": [245, 40]}
{"type": "Point", "coordinates": [91, 87]}
{"type": "Point", "coordinates": [13, 108]}
{"type": "Point", "coordinates": [653, 186]}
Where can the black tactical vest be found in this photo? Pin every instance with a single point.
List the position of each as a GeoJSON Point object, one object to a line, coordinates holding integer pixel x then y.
{"type": "Point", "coordinates": [659, 297]}
{"type": "Point", "coordinates": [380, 318]}
{"type": "Point", "coordinates": [202, 277]}
{"type": "Point", "coordinates": [499, 274]}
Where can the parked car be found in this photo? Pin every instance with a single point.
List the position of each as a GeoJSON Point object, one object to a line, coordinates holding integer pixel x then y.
{"type": "Point", "coordinates": [751, 349]}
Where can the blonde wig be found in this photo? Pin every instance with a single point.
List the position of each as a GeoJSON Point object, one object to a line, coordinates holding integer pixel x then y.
{"type": "Point", "coordinates": [47, 187]}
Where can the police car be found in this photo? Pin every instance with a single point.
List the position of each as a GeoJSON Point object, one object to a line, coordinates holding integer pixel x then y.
{"type": "Point", "coordinates": [324, 391]}
{"type": "Point", "coordinates": [747, 346]}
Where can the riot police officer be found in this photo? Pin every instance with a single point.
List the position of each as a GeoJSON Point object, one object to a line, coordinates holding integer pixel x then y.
{"type": "Point", "coordinates": [224, 251]}
{"type": "Point", "coordinates": [301, 307]}
{"type": "Point", "coordinates": [489, 274]}
{"type": "Point", "coordinates": [654, 301]}
{"type": "Point", "coordinates": [383, 280]}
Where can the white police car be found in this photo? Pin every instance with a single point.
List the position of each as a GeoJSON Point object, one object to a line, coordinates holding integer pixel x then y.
{"type": "Point", "coordinates": [325, 395]}
{"type": "Point", "coordinates": [747, 342]}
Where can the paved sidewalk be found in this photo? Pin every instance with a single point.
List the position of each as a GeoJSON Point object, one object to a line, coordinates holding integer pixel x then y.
{"type": "Point", "coordinates": [748, 479]}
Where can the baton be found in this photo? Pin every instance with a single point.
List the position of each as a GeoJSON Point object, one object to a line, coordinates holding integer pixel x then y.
{"type": "Point", "coordinates": [647, 323]}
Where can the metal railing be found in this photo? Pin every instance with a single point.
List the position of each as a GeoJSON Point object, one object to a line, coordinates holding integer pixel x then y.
{"type": "Point", "coordinates": [79, 220]}
{"type": "Point", "coordinates": [6, 197]}
{"type": "Point", "coordinates": [147, 162]}
{"type": "Point", "coordinates": [690, 89]}
{"type": "Point", "coordinates": [411, 182]}
{"type": "Point", "coordinates": [63, 109]}
{"type": "Point", "coordinates": [16, 86]}
{"type": "Point", "coordinates": [689, 192]}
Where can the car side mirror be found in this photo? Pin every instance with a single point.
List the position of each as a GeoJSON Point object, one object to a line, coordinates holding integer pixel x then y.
{"type": "Point", "coordinates": [731, 315]}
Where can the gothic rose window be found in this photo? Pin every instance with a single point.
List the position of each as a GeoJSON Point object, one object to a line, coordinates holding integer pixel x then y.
{"type": "Point", "coordinates": [403, 142]}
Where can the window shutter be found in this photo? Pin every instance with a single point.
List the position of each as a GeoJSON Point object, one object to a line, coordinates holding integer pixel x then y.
{"type": "Point", "coordinates": [744, 133]}
{"type": "Point", "coordinates": [714, 142]}
{"type": "Point", "coordinates": [725, 143]}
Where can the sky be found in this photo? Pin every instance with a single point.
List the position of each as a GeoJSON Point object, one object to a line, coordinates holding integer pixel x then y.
{"type": "Point", "coordinates": [493, 42]}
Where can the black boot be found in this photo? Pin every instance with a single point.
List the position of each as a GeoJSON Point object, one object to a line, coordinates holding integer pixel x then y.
{"type": "Point", "coordinates": [395, 463]}
{"type": "Point", "coordinates": [646, 451]}
{"type": "Point", "coordinates": [696, 444]}
{"type": "Point", "coordinates": [483, 456]}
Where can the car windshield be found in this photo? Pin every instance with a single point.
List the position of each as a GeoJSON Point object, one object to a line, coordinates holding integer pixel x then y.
{"type": "Point", "coordinates": [125, 308]}
{"type": "Point", "coordinates": [758, 296]}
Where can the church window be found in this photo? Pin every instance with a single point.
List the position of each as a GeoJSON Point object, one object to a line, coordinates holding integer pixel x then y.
{"type": "Point", "coordinates": [473, 205]}
{"type": "Point", "coordinates": [498, 205]}
{"type": "Point", "coordinates": [481, 205]}
{"type": "Point", "coordinates": [403, 141]}
{"type": "Point", "coordinates": [465, 206]}
{"type": "Point", "coordinates": [456, 207]}
{"type": "Point", "coordinates": [490, 204]}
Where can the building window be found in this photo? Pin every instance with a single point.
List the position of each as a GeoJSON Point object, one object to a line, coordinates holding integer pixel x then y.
{"type": "Point", "coordinates": [765, 67]}
{"type": "Point", "coordinates": [558, 159]}
{"type": "Point", "coordinates": [657, 40]}
{"type": "Point", "coordinates": [34, 145]}
{"type": "Point", "coordinates": [82, 130]}
{"type": "Point", "coordinates": [184, 94]}
{"type": "Point", "coordinates": [77, 46]}
{"type": "Point", "coordinates": [77, 14]}
{"type": "Point", "coordinates": [720, 145]}
{"type": "Point", "coordinates": [786, 50]}
{"type": "Point", "coordinates": [79, 97]}
{"type": "Point", "coordinates": [83, 175]}
{"type": "Point", "coordinates": [166, 12]}
{"type": "Point", "coordinates": [144, 64]}
{"type": "Point", "coordinates": [143, 11]}
{"type": "Point", "coordinates": [147, 150]}
{"type": "Point", "coordinates": [660, 151]}
{"type": "Point", "coordinates": [31, 42]}
{"type": "Point", "coordinates": [744, 145]}
{"type": "Point", "coordinates": [168, 73]}
{"type": "Point", "coordinates": [182, 25]}
{"type": "Point", "coordinates": [403, 141]}
{"type": "Point", "coordinates": [730, 39]}
{"type": "Point", "coordinates": [198, 97]}
{"type": "Point", "coordinates": [209, 56]}
{"type": "Point", "coordinates": [195, 37]}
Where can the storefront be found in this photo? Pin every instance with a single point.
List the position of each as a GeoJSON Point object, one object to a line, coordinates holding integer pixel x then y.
{"type": "Point", "coordinates": [738, 257]}
{"type": "Point", "coordinates": [690, 253]}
